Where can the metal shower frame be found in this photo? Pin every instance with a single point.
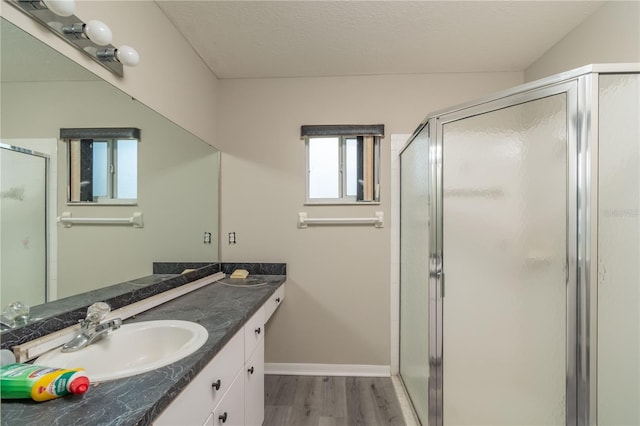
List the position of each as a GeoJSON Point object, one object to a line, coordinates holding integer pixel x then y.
{"type": "Point", "coordinates": [581, 87]}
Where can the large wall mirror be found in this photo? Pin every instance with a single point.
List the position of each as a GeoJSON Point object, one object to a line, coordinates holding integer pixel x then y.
{"type": "Point", "coordinates": [42, 92]}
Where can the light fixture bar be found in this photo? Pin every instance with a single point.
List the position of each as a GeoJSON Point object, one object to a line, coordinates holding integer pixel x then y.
{"type": "Point", "coordinates": [39, 12]}
{"type": "Point", "coordinates": [33, 4]}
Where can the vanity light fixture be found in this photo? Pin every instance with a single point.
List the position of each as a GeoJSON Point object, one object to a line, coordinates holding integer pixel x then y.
{"type": "Point", "coordinates": [61, 7]}
{"type": "Point", "coordinates": [96, 31]}
{"type": "Point", "coordinates": [124, 54]}
{"type": "Point", "coordinates": [92, 38]}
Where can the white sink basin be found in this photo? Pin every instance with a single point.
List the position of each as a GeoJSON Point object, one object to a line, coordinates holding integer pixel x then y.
{"type": "Point", "coordinates": [132, 349]}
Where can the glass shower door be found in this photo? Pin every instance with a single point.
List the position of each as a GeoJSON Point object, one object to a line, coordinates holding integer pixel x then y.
{"type": "Point", "coordinates": [23, 249]}
{"type": "Point", "coordinates": [618, 354]}
{"type": "Point", "coordinates": [504, 255]}
{"type": "Point", "coordinates": [414, 273]}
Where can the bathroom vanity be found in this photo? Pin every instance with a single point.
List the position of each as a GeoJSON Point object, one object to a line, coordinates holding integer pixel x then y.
{"type": "Point", "coordinates": [221, 383]}
{"type": "Point", "coordinates": [230, 389]}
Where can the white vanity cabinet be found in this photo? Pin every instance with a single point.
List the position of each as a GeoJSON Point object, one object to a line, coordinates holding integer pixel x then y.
{"type": "Point", "coordinates": [194, 404]}
{"type": "Point", "coordinates": [272, 304]}
{"type": "Point", "coordinates": [230, 410]}
{"type": "Point", "coordinates": [229, 391]}
{"type": "Point", "coordinates": [254, 369]}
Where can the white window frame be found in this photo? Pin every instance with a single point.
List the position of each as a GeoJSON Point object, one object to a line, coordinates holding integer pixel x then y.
{"type": "Point", "coordinates": [112, 174]}
{"type": "Point", "coordinates": [343, 198]}
{"type": "Point", "coordinates": [111, 136]}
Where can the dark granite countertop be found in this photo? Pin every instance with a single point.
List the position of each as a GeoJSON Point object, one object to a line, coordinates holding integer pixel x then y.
{"type": "Point", "coordinates": [139, 399]}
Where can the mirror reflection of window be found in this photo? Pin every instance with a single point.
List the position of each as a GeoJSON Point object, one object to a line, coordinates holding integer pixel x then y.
{"type": "Point", "coordinates": [103, 168]}
{"type": "Point", "coordinates": [127, 167]}
{"type": "Point", "coordinates": [100, 168]}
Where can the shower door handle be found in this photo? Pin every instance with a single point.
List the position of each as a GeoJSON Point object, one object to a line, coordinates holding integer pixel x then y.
{"type": "Point", "coordinates": [440, 276]}
{"type": "Point", "coordinates": [436, 273]}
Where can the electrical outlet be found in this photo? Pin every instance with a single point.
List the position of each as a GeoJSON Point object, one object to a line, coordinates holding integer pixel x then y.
{"type": "Point", "coordinates": [232, 237]}
{"type": "Point", "coordinates": [207, 237]}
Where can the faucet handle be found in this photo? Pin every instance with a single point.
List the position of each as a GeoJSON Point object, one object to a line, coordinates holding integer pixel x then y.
{"type": "Point", "coordinates": [16, 313]}
{"type": "Point", "coordinates": [97, 312]}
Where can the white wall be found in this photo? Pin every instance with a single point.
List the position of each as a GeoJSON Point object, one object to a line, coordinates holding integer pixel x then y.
{"type": "Point", "coordinates": [337, 309]}
{"type": "Point", "coordinates": [611, 34]}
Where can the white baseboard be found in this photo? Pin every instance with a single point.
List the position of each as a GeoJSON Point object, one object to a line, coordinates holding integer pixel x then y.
{"type": "Point", "coordinates": [328, 370]}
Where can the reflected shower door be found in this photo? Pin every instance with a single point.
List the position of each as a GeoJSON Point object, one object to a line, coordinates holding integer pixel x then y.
{"type": "Point", "coordinates": [23, 253]}
{"type": "Point", "coordinates": [504, 248]}
{"type": "Point", "coordinates": [414, 273]}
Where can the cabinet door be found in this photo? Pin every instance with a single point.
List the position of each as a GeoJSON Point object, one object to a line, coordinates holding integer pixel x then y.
{"type": "Point", "coordinates": [253, 332]}
{"type": "Point", "coordinates": [194, 404]}
{"type": "Point", "coordinates": [254, 387]}
{"type": "Point", "coordinates": [272, 304]}
{"type": "Point", "coordinates": [230, 410]}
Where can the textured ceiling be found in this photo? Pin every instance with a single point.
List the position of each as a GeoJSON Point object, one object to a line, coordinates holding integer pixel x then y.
{"type": "Point", "coordinates": [254, 39]}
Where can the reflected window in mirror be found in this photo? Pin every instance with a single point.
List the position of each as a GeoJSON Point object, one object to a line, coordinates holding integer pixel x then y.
{"type": "Point", "coordinates": [102, 165]}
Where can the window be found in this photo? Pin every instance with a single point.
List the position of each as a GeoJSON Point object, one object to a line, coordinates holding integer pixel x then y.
{"type": "Point", "coordinates": [103, 165]}
{"type": "Point", "coordinates": [343, 163]}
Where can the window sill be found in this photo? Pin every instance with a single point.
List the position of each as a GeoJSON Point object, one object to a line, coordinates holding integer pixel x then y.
{"type": "Point", "coordinates": [103, 203]}
{"type": "Point", "coordinates": [342, 203]}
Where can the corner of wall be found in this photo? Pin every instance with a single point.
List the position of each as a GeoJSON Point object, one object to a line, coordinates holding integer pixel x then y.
{"type": "Point", "coordinates": [611, 34]}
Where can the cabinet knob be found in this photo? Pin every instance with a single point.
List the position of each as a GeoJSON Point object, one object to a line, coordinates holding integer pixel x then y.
{"type": "Point", "coordinates": [216, 384]}
{"type": "Point", "coordinates": [258, 330]}
{"type": "Point", "coordinates": [223, 417]}
{"type": "Point", "coordinates": [250, 370]}
{"type": "Point", "coordinates": [277, 300]}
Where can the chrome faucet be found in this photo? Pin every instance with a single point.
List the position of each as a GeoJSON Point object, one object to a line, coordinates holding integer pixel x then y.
{"type": "Point", "coordinates": [92, 328]}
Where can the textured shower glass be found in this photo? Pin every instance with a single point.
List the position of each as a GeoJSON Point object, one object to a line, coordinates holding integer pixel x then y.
{"type": "Point", "coordinates": [414, 273]}
{"type": "Point", "coordinates": [504, 251]}
{"type": "Point", "coordinates": [23, 246]}
{"type": "Point", "coordinates": [618, 362]}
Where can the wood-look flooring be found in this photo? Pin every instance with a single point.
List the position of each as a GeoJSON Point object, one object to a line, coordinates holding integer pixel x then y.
{"type": "Point", "coordinates": [330, 401]}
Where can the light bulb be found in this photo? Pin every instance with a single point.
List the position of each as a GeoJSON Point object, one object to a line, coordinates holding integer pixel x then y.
{"type": "Point", "coordinates": [61, 7]}
{"type": "Point", "coordinates": [127, 55]}
{"type": "Point", "coordinates": [98, 32]}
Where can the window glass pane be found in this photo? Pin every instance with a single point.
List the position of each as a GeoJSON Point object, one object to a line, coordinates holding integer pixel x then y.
{"type": "Point", "coordinates": [127, 166]}
{"type": "Point", "coordinates": [351, 166]}
{"type": "Point", "coordinates": [324, 168]}
{"type": "Point", "coordinates": [100, 168]}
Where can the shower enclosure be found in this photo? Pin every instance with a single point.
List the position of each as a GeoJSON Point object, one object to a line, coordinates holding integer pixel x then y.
{"type": "Point", "coordinates": [520, 253]}
{"type": "Point", "coordinates": [23, 226]}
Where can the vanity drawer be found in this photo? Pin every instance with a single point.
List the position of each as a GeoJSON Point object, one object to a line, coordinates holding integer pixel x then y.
{"type": "Point", "coordinates": [230, 410]}
{"type": "Point", "coordinates": [253, 332]}
{"type": "Point", "coordinates": [272, 304]}
{"type": "Point", "coordinates": [224, 367]}
{"type": "Point", "coordinates": [194, 404]}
